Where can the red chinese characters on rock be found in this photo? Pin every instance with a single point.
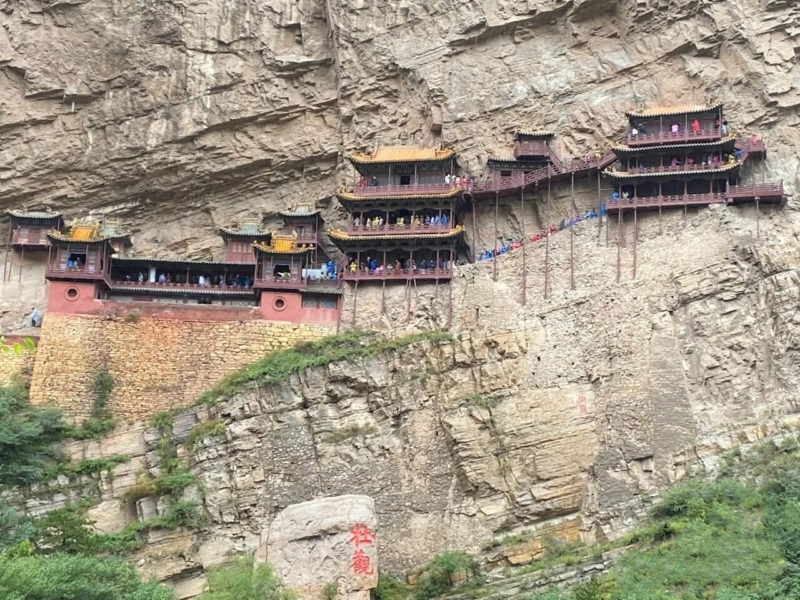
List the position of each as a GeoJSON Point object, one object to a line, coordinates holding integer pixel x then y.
{"type": "Point", "coordinates": [361, 535]}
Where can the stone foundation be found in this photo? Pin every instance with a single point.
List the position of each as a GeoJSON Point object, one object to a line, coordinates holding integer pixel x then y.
{"type": "Point", "coordinates": [157, 363]}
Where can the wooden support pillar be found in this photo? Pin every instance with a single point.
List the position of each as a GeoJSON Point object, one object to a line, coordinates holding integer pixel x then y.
{"type": "Point", "coordinates": [524, 243]}
{"type": "Point", "coordinates": [9, 250]}
{"type": "Point", "coordinates": [758, 219]}
{"type": "Point", "coordinates": [547, 241]}
{"type": "Point", "coordinates": [355, 299]}
{"type": "Point", "coordinates": [474, 231]}
{"type": "Point", "coordinates": [383, 297]}
{"type": "Point", "coordinates": [450, 304]}
{"type": "Point", "coordinates": [572, 234]}
{"type": "Point", "coordinates": [494, 252]}
{"type": "Point", "coordinates": [635, 239]}
{"type": "Point", "coordinates": [22, 261]}
{"type": "Point", "coordinates": [619, 239]}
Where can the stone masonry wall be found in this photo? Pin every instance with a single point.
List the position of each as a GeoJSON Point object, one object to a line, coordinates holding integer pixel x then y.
{"type": "Point", "coordinates": [16, 367]}
{"type": "Point", "coordinates": [157, 364]}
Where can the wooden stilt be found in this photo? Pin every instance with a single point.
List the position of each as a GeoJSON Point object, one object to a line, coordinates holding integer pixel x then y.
{"type": "Point", "coordinates": [474, 230]}
{"type": "Point", "coordinates": [758, 219]}
{"type": "Point", "coordinates": [547, 241]}
{"type": "Point", "coordinates": [494, 252]}
{"type": "Point", "coordinates": [339, 306]}
{"type": "Point", "coordinates": [355, 297]}
{"type": "Point", "coordinates": [450, 305]}
{"type": "Point", "coordinates": [619, 239]}
{"type": "Point", "coordinates": [22, 261]}
{"type": "Point", "coordinates": [635, 239]}
{"type": "Point", "coordinates": [572, 235]}
{"type": "Point", "coordinates": [660, 230]}
{"type": "Point", "coordinates": [8, 251]}
{"type": "Point", "coordinates": [524, 243]}
{"type": "Point", "coordinates": [383, 298]}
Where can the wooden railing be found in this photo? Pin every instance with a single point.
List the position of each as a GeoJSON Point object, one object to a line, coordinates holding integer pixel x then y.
{"type": "Point", "coordinates": [398, 190]}
{"type": "Point", "coordinates": [681, 168]}
{"type": "Point", "coordinates": [30, 237]}
{"type": "Point", "coordinates": [531, 148]}
{"type": "Point", "coordinates": [685, 135]}
{"type": "Point", "coordinates": [190, 287]}
{"type": "Point", "coordinates": [400, 229]}
{"type": "Point", "coordinates": [391, 274]}
{"type": "Point", "coordinates": [756, 190]}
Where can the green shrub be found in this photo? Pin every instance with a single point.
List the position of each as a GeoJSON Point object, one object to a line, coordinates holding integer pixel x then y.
{"type": "Point", "coordinates": [390, 588]}
{"type": "Point", "coordinates": [201, 431]}
{"type": "Point", "coordinates": [87, 466]}
{"type": "Point", "coordinates": [68, 577]}
{"type": "Point", "coordinates": [102, 384]}
{"type": "Point", "coordinates": [481, 401]}
{"type": "Point", "coordinates": [329, 591]}
{"type": "Point", "coordinates": [349, 345]}
{"type": "Point", "coordinates": [436, 578]}
{"type": "Point", "coordinates": [91, 429]}
{"type": "Point", "coordinates": [242, 580]}
{"type": "Point", "coordinates": [28, 437]}
{"type": "Point", "coordinates": [65, 530]}
{"type": "Point", "coordinates": [15, 527]}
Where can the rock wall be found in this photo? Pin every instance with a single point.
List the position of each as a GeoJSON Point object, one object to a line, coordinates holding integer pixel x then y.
{"type": "Point", "coordinates": [156, 363]}
{"type": "Point", "coordinates": [16, 368]}
{"type": "Point", "coordinates": [562, 417]}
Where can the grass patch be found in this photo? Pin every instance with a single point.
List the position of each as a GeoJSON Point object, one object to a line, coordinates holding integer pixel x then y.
{"type": "Point", "coordinates": [87, 466]}
{"type": "Point", "coordinates": [350, 345]}
{"type": "Point", "coordinates": [443, 572]}
{"type": "Point", "coordinates": [482, 401]}
{"type": "Point", "coordinates": [202, 431]}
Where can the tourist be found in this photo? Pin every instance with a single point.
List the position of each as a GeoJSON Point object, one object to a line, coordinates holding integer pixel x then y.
{"type": "Point", "coordinates": [237, 281]}
{"type": "Point", "coordinates": [70, 263]}
{"type": "Point", "coordinates": [447, 179]}
{"type": "Point", "coordinates": [696, 126]}
{"type": "Point", "coordinates": [362, 182]}
{"type": "Point", "coordinates": [398, 265]}
{"type": "Point", "coordinates": [353, 265]}
{"type": "Point", "coordinates": [674, 128]}
{"type": "Point", "coordinates": [674, 162]}
{"type": "Point", "coordinates": [625, 195]}
{"type": "Point", "coordinates": [641, 128]}
{"type": "Point", "coordinates": [634, 131]}
{"type": "Point", "coordinates": [427, 219]}
{"type": "Point", "coordinates": [739, 153]}
{"type": "Point", "coordinates": [443, 220]}
{"type": "Point", "coordinates": [724, 130]}
{"type": "Point", "coordinates": [380, 222]}
{"type": "Point", "coordinates": [615, 196]}
{"type": "Point", "coordinates": [169, 278]}
{"type": "Point", "coordinates": [374, 181]}
{"type": "Point", "coordinates": [36, 317]}
{"type": "Point", "coordinates": [435, 220]}
{"type": "Point", "coordinates": [247, 281]}
{"type": "Point", "coordinates": [162, 279]}
{"type": "Point", "coordinates": [140, 277]}
{"type": "Point", "coordinates": [200, 280]}
{"type": "Point", "coordinates": [716, 123]}
{"type": "Point", "coordinates": [458, 180]}
{"type": "Point", "coordinates": [222, 281]}
{"type": "Point", "coordinates": [356, 222]}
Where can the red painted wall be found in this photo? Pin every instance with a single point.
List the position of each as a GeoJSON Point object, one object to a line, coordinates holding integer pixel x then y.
{"type": "Point", "coordinates": [73, 297]}
{"type": "Point", "coordinates": [288, 306]}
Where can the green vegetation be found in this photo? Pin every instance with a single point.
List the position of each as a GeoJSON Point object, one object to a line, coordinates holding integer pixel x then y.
{"type": "Point", "coordinates": [69, 577]}
{"type": "Point", "coordinates": [27, 437]}
{"type": "Point", "coordinates": [481, 401]}
{"type": "Point", "coordinates": [350, 345]}
{"type": "Point", "coordinates": [100, 422]}
{"type": "Point", "coordinates": [440, 575]}
{"type": "Point", "coordinates": [87, 466]}
{"type": "Point", "coordinates": [390, 588]}
{"type": "Point", "coordinates": [736, 538]}
{"type": "Point", "coordinates": [205, 430]}
{"type": "Point", "coordinates": [27, 345]}
{"type": "Point", "coordinates": [240, 580]}
{"type": "Point", "coordinates": [329, 591]}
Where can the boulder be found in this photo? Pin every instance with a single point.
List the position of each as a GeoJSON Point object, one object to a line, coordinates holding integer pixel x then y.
{"type": "Point", "coordinates": [324, 542]}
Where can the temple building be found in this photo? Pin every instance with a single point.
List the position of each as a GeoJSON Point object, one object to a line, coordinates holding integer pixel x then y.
{"type": "Point", "coordinates": [268, 273]}
{"type": "Point", "coordinates": [684, 156]}
{"type": "Point", "coordinates": [403, 211]}
{"type": "Point", "coordinates": [27, 232]}
{"type": "Point", "coordinates": [531, 152]}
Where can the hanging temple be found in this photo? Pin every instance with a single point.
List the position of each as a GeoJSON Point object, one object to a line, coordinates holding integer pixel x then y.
{"type": "Point", "coordinates": [404, 221]}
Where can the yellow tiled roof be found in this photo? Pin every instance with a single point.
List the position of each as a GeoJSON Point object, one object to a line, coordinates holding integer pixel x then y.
{"type": "Point", "coordinates": [338, 234]}
{"type": "Point", "coordinates": [699, 171]}
{"type": "Point", "coordinates": [273, 250]}
{"type": "Point", "coordinates": [668, 111]}
{"type": "Point", "coordinates": [385, 154]}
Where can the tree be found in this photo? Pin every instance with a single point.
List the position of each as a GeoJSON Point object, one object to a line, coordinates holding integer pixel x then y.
{"type": "Point", "coordinates": [74, 577]}
{"type": "Point", "coordinates": [27, 437]}
{"type": "Point", "coordinates": [241, 580]}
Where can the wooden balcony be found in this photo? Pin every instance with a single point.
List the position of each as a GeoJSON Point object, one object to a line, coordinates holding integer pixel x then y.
{"type": "Point", "coordinates": [400, 229]}
{"type": "Point", "coordinates": [378, 191]}
{"type": "Point", "coordinates": [765, 192]}
{"type": "Point", "coordinates": [667, 137]}
{"type": "Point", "coordinates": [769, 193]}
{"type": "Point", "coordinates": [296, 282]}
{"type": "Point", "coordinates": [83, 272]}
{"type": "Point", "coordinates": [189, 288]}
{"type": "Point", "coordinates": [29, 237]}
{"type": "Point", "coordinates": [392, 274]}
{"type": "Point", "coordinates": [695, 168]}
{"type": "Point", "coordinates": [531, 148]}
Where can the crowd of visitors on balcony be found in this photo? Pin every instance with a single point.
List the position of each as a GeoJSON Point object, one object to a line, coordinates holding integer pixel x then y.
{"type": "Point", "coordinates": [675, 128]}
{"type": "Point", "coordinates": [449, 180]}
{"type": "Point", "coordinates": [415, 220]}
{"type": "Point", "coordinates": [235, 280]}
{"type": "Point", "coordinates": [544, 233]}
{"type": "Point", "coordinates": [403, 266]}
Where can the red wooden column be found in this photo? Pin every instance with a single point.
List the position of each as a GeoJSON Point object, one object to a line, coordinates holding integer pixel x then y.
{"type": "Point", "coordinates": [635, 237]}
{"type": "Point", "coordinates": [494, 251]}
{"type": "Point", "coordinates": [474, 231]}
{"type": "Point", "coordinates": [572, 235]}
{"type": "Point", "coordinates": [524, 243]}
{"type": "Point", "coordinates": [619, 239]}
{"type": "Point", "coordinates": [547, 241]}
